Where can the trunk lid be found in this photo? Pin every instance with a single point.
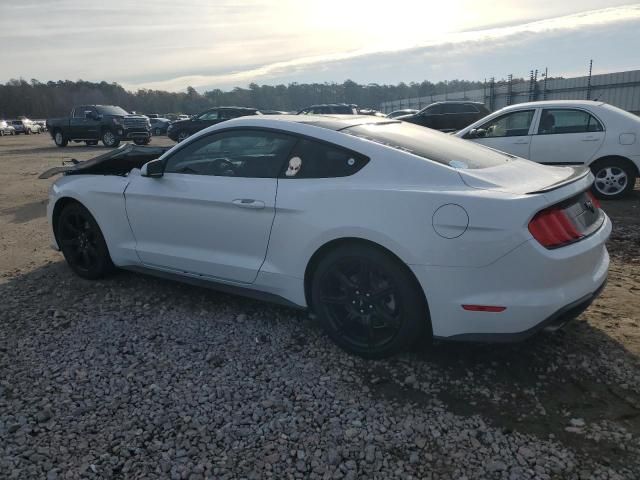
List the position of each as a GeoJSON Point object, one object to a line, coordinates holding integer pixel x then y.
{"type": "Point", "coordinates": [522, 177]}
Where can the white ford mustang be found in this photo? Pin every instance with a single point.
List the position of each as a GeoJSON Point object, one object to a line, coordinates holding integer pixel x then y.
{"type": "Point", "coordinates": [388, 231]}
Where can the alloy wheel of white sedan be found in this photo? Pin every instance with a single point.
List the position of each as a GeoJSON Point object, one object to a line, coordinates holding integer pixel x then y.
{"type": "Point", "coordinates": [390, 232]}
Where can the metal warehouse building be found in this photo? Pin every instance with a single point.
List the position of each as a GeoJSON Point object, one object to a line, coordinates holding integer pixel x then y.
{"type": "Point", "coordinates": [621, 89]}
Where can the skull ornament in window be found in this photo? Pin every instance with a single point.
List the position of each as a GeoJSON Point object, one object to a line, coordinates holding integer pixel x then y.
{"type": "Point", "coordinates": [294, 167]}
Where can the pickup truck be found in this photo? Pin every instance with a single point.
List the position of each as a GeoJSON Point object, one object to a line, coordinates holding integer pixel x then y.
{"type": "Point", "coordinates": [106, 123]}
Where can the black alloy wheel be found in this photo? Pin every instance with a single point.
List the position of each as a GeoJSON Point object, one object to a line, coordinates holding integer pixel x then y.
{"type": "Point", "coordinates": [82, 242]}
{"type": "Point", "coordinates": [368, 302]}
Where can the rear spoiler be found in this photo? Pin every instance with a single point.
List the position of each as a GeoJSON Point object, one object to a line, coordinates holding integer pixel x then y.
{"type": "Point", "coordinates": [578, 173]}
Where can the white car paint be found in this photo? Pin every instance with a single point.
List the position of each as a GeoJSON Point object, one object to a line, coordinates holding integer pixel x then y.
{"type": "Point", "coordinates": [619, 137]}
{"type": "Point", "coordinates": [192, 226]}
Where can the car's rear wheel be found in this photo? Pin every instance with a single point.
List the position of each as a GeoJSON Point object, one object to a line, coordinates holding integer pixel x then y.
{"type": "Point", "coordinates": [183, 136]}
{"type": "Point", "coordinates": [82, 242]}
{"type": "Point", "coordinates": [141, 141]}
{"type": "Point", "coordinates": [368, 302]}
{"type": "Point", "coordinates": [58, 137]}
{"type": "Point", "coordinates": [109, 139]}
{"type": "Point", "coordinates": [614, 178]}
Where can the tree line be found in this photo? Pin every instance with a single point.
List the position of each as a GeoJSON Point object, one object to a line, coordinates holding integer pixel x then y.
{"type": "Point", "coordinates": [37, 99]}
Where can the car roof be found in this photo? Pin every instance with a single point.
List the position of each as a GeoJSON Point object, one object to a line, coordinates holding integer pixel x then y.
{"type": "Point", "coordinates": [554, 103]}
{"type": "Point", "coordinates": [332, 122]}
{"type": "Point", "coordinates": [458, 101]}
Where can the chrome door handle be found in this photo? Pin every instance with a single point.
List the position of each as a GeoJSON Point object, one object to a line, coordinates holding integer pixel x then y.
{"type": "Point", "coordinates": [248, 203]}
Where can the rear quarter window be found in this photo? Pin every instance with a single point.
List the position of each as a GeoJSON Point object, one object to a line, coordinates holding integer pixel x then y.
{"type": "Point", "coordinates": [430, 145]}
{"type": "Point", "coordinates": [313, 159]}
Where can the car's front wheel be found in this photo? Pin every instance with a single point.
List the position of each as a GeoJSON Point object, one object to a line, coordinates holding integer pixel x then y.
{"type": "Point", "coordinates": [141, 141]}
{"type": "Point", "coordinates": [58, 137]}
{"type": "Point", "coordinates": [183, 136]}
{"type": "Point", "coordinates": [82, 242]}
{"type": "Point", "coordinates": [614, 178]}
{"type": "Point", "coordinates": [109, 139]}
{"type": "Point", "coordinates": [368, 302]}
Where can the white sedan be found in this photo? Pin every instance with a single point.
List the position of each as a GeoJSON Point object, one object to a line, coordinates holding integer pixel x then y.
{"type": "Point", "coordinates": [568, 132]}
{"type": "Point", "coordinates": [388, 231]}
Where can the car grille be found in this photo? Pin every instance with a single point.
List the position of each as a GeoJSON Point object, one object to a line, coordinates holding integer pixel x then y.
{"type": "Point", "coordinates": [135, 123]}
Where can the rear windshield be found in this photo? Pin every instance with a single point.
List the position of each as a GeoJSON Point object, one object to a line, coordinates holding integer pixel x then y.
{"type": "Point", "coordinates": [111, 110]}
{"type": "Point", "coordinates": [430, 144]}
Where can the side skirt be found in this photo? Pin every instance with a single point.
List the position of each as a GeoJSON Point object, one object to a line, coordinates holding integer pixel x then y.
{"type": "Point", "coordinates": [222, 287]}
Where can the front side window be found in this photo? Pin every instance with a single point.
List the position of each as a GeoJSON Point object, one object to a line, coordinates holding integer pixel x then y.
{"type": "Point", "coordinates": [512, 124]}
{"type": "Point", "coordinates": [79, 112]}
{"type": "Point", "coordinates": [567, 121]}
{"type": "Point", "coordinates": [312, 159]}
{"type": "Point", "coordinates": [238, 153]}
{"type": "Point", "coordinates": [433, 110]}
{"type": "Point", "coordinates": [208, 116]}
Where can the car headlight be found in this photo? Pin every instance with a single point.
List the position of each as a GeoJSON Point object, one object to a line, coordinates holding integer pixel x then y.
{"type": "Point", "coordinates": [117, 121]}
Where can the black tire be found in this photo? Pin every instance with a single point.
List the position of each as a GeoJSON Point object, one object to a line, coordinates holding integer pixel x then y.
{"type": "Point", "coordinates": [182, 136]}
{"type": "Point", "coordinates": [82, 243]}
{"type": "Point", "coordinates": [27, 132]}
{"type": "Point", "coordinates": [110, 139]}
{"type": "Point", "coordinates": [60, 139]}
{"type": "Point", "coordinates": [614, 178]}
{"type": "Point", "coordinates": [141, 141]}
{"type": "Point", "coordinates": [353, 280]}
{"type": "Point", "coordinates": [91, 143]}
{"type": "Point", "coordinates": [1, 133]}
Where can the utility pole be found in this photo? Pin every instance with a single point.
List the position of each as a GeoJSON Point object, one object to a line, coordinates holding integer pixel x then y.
{"type": "Point", "coordinates": [589, 80]}
{"type": "Point", "coordinates": [509, 88]}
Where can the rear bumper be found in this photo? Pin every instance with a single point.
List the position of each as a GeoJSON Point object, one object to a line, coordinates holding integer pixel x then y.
{"type": "Point", "coordinates": [539, 288]}
{"type": "Point", "coordinates": [554, 322]}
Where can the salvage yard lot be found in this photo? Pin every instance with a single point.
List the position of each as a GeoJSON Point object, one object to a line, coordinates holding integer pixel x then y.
{"type": "Point", "coordinates": [135, 377]}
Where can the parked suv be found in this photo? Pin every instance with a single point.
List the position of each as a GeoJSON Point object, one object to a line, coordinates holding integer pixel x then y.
{"type": "Point", "coordinates": [92, 123]}
{"type": "Point", "coordinates": [331, 108]}
{"type": "Point", "coordinates": [6, 129]}
{"type": "Point", "coordinates": [182, 129]}
{"type": "Point", "coordinates": [448, 116]}
{"type": "Point", "coordinates": [25, 126]}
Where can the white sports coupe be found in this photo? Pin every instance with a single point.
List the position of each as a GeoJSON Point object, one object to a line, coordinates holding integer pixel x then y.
{"type": "Point", "coordinates": [389, 232]}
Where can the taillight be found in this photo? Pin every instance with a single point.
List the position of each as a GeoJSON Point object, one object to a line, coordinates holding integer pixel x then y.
{"type": "Point", "coordinates": [594, 200]}
{"type": "Point", "coordinates": [552, 228]}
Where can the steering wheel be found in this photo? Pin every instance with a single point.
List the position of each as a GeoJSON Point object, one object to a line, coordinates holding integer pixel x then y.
{"type": "Point", "coordinates": [222, 166]}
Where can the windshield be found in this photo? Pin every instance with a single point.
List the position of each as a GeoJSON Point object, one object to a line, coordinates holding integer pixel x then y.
{"type": "Point", "coordinates": [430, 144]}
{"type": "Point", "coordinates": [111, 110]}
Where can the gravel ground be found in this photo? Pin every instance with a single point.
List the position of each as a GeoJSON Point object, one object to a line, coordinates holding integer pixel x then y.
{"type": "Point", "coordinates": [135, 377]}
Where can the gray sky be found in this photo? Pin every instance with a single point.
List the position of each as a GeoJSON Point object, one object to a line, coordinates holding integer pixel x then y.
{"type": "Point", "coordinates": [168, 44]}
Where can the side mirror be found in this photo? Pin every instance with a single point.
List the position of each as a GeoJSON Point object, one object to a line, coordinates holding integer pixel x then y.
{"type": "Point", "coordinates": [476, 133]}
{"type": "Point", "coordinates": [153, 169]}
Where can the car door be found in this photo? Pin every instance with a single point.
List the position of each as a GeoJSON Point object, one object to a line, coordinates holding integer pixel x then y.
{"type": "Point", "coordinates": [211, 212]}
{"type": "Point", "coordinates": [509, 133]}
{"type": "Point", "coordinates": [92, 123]}
{"type": "Point", "coordinates": [204, 120]}
{"type": "Point", "coordinates": [431, 117]}
{"type": "Point", "coordinates": [566, 136]}
{"type": "Point", "coordinates": [77, 121]}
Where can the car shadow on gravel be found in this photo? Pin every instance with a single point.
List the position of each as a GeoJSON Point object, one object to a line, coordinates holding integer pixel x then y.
{"type": "Point", "coordinates": [577, 386]}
